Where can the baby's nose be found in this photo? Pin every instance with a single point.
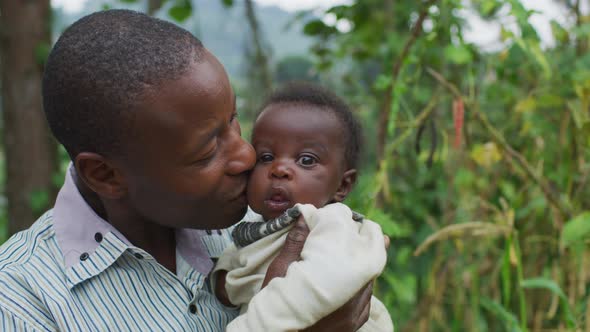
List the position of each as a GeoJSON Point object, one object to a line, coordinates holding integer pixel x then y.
{"type": "Point", "coordinates": [281, 170]}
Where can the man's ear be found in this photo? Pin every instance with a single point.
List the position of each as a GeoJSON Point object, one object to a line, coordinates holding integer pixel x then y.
{"type": "Point", "coordinates": [346, 184]}
{"type": "Point", "coordinates": [100, 175]}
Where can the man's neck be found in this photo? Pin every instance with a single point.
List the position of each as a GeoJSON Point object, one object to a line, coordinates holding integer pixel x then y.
{"type": "Point", "coordinates": [157, 240]}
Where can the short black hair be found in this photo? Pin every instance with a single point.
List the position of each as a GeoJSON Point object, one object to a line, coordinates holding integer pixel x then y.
{"type": "Point", "coordinates": [307, 93]}
{"type": "Point", "coordinates": [99, 70]}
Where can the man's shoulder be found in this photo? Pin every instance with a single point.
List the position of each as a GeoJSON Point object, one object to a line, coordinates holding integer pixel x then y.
{"type": "Point", "coordinates": [26, 247]}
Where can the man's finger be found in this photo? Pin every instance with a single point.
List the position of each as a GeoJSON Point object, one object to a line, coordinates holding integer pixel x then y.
{"type": "Point", "coordinates": [387, 241]}
{"type": "Point", "coordinates": [364, 316]}
{"type": "Point", "coordinates": [296, 237]}
{"type": "Point", "coordinates": [291, 251]}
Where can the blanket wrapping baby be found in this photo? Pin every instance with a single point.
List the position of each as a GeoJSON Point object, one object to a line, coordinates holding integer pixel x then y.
{"type": "Point", "coordinates": [340, 256]}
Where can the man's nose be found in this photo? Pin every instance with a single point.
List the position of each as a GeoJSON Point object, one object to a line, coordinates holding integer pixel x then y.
{"type": "Point", "coordinates": [243, 157]}
{"type": "Point", "coordinates": [281, 170]}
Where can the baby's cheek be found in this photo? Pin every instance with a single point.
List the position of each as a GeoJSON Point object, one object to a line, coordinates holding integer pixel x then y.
{"type": "Point", "coordinates": [255, 188]}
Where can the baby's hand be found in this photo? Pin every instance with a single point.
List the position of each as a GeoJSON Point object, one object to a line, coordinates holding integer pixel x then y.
{"type": "Point", "coordinates": [220, 290]}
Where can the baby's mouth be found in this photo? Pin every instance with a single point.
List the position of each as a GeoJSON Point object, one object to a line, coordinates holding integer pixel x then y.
{"type": "Point", "coordinates": [278, 200]}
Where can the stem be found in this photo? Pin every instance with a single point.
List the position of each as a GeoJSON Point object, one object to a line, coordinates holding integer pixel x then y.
{"type": "Point", "coordinates": [520, 278]}
{"type": "Point", "coordinates": [386, 110]}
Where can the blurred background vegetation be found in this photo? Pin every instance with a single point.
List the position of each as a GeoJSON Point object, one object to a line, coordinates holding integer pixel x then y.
{"type": "Point", "coordinates": [477, 163]}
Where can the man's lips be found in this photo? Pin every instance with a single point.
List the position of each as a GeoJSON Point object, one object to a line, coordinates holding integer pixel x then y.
{"type": "Point", "coordinates": [240, 195]}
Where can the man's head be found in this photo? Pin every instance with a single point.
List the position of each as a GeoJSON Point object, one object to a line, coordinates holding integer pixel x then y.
{"type": "Point", "coordinates": [148, 116]}
{"type": "Point", "coordinates": [100, 69]}
{"type": "Point", "coordinates": [307, 144]}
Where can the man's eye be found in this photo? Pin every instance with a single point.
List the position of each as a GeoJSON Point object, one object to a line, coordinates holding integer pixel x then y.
{"type": "Point", "coordinates": [307, 160]}
{"type": "Point", "coordinates": [265, 158]}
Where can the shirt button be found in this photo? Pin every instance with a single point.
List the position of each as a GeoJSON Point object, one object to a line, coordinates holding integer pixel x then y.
{"type": "Point", "coordinates": [98, 237]}
{"type": "Point", "coordinates": [138, 255]}
{"type": "Point", "coordinates": [84, 256]}
{"type": "Point", "coordinates": [192, 308]}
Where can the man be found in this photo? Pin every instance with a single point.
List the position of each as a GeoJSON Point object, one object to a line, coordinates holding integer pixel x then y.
{"type": "Point", "coordinates": [148, 118]}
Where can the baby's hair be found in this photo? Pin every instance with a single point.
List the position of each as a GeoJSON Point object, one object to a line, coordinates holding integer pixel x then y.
{"type": "Point", "coordinates": [100, 69]}
{"type": "Point", "coordinates": [306, 93]}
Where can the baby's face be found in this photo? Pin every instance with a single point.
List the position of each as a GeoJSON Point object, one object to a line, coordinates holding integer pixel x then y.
{"type": "Point", "coordinates": [299, 159]}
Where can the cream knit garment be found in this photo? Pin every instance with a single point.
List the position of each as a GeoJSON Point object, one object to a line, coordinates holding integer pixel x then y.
{"type": "Point", "coordinates": [340, 256]}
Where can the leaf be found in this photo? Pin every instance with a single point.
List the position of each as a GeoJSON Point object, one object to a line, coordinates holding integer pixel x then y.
{"type": "Point", "coordinates": [559, 33]}
{"type": "Point", "coordinates": [544, 283]}
{"type": "Point", "coordinates": [458, 54]}
{"type": "Point", "coordinates": [532, 48]}
{"type": "Point", "coordinates": [341, 11]}
{"type": "Point", "coordinates": [525, 105]}
{"type": "Point", "coordinates": [314, 27]}
{"type": "Point", "coordinates": [538, 54]}
{"type": "Point", "coordinates": [181, 11]}
{"type": "Point", "coordinates": [488, 7]}
{"type": "Point", "coordinates": [505, 34]}
{"type": "Point", "coordinates": [42, 52]}
{"type": "Point", "coordinates": [510, 321]}
{"type": "Point", "coordinates": [549, 100]}
{"type": "Point", "coordinates": [128, 1]}
{"type": "Point", "coordinates": [473, 229]}
{"type": "Point", "coordinates": [388, 225]}
{"type": "Point", "coordinates": [506, 272]}
{"type": "Point", "coordinates": [555, 289]}
{"type": "Point", "coordinates": [582, 30]}
{"type": "Point", "coordinates": [382, 82]}
{"type": "Point", "coordinates": [579, 115]}
{"type": "Point", "coordinates": [576, 230]}
{"type": "Point", "coordinates": [486, 155]}
{"type": "Point", "coordinates": [227, 3]}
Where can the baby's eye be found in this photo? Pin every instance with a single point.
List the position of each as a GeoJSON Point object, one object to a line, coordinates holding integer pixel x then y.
{"type": "Point", "coordinates": [307, 160]}
{"type": "Point", "coordinates": [265, 158]}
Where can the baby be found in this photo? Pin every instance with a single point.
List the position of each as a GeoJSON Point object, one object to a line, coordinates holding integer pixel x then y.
{"type": "Point", "coordinates": [307, 144]}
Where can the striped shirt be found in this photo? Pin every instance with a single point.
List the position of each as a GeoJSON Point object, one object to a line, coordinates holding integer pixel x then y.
{"type": "Point", "coordinates": [72, 271]}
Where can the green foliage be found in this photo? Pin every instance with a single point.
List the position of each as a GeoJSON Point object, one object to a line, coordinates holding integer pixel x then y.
{"type": "Point", "coordinates": [458, 54]}
{"type": "Point", "coordinates": [181, 10]}
{"type": "Point", "coordinates": [576, 231]}
{"type": "Point", "coordinates": [39, 201]}
{"type": "Point", "coordinates": [488, 219]}
{"type": "Point", "coordinates": [295, 68]}
{"type": "Point", "coordinates": [42, 52]}
{"type": "Point", "coordinates": [510, 321]}
{"type": "Point", "coordinates": [552, 286]}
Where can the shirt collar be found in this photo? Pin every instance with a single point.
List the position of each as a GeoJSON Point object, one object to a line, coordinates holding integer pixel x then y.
{"type": "Point", "coordinates": [81, 232]}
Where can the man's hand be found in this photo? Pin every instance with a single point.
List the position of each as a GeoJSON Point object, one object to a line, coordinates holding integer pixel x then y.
{"type": "Point", "coordinates": [290, 253]}
{"type": "Point", "coordinates": [352, 315]}
{"type": "Point", "coordinates": [220, 291]}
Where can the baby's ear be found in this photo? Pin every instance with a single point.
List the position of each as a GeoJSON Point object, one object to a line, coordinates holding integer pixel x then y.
{"type": "Point", "coordinates": [346, 183]}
